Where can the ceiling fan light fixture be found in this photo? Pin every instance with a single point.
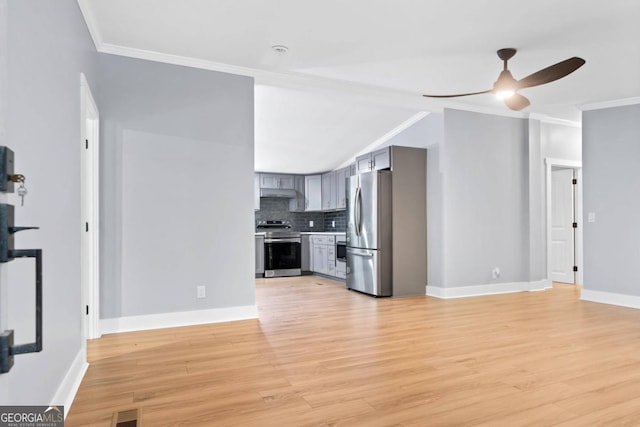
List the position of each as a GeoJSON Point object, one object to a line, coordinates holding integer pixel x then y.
{"type": "Point", "coordinates": [504, 94]}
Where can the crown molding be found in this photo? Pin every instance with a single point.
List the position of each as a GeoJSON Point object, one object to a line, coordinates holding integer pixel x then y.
{"type": "Point", "coordinates": [554, 120]}
{"type": "Point", "coordinates": [91, 23]}
{"type": "Point", "coordinates": [610, 104]}
{"type": "Point", "coordinates": [167, 58]}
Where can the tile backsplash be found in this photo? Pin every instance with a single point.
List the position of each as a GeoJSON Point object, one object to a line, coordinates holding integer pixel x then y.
{"type": "Point", "coordinates": [278, 208]}
{"type": "Point", "coordinates": [339, 218]}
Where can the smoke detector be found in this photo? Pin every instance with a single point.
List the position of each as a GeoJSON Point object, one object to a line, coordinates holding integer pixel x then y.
{"type": "Point", "coordinates": [280, 49]}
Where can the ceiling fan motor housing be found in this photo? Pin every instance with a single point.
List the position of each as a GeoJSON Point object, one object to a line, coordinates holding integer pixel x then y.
{"type": "Point", "coordinates": [505, 82]}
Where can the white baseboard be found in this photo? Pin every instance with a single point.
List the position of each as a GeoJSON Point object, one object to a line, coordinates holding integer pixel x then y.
{"type": "Point", "coordinates": [69, 387]}
{"type": "Point", "coordinates": [632, 301]}
{"type": "Point", "coordinates": [172, 320]}
{"type": "Point", "coordinates": [488, 289]}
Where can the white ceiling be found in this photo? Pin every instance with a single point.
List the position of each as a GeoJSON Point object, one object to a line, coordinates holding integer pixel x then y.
{"type": "Point", "coordinates": [356, 69]}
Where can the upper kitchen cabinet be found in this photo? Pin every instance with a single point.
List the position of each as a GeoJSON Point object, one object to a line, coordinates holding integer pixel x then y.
{"type": "Point", "coordinates": [341, 178]}
{"type": "Point", "coordinates": [277, 181]}
{"type": "Point", "coordinates": [329, 196]}
{"type": "Point", "coordinates": [313, 192]}
{"type": "Point", "coordinates": [299, 203]}
{"type": "Point", "coordinates": [376, 160]}
{"type": "Point", "coordinates": [333, 190]}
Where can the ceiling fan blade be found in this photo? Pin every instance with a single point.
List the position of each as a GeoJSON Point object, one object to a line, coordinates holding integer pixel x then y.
{"type": "Point", "coordinates": [551, 73]}
{"type": "Point", "coordinates": [517, 102]}
{"type": "Point", "coordinates": [462, 94]}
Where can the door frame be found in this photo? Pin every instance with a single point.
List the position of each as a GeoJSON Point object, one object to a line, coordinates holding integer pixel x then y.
{"type": "Point", "coordinates": [89, 196]}
{"type": "Point", "coordinates": [550, 164]}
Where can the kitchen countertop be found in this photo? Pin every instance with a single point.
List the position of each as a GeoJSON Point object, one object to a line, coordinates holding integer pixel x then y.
{"type": "Point", "coordinates": [328, 233]}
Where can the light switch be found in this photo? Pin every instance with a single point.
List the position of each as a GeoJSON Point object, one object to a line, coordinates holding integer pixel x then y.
{"type": "Point", "coordinates": [591, 217]}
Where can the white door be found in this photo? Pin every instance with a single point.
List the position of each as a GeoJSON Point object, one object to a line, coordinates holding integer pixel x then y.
{"type": "Point", "coordinates": [562, 231]}
{"type": "Point", "coordinates": [89, 228]}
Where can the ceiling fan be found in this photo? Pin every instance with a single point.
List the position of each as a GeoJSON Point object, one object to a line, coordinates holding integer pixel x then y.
{"type": "Point", "coordinates": [506, 87]}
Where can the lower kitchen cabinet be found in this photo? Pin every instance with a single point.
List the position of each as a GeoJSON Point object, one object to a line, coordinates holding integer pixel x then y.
{"type": "Point", "coordinates": [323, 248]}
{"type": "Point", "coordinates": [341, 269]}
{"type": "Point", "coordinates": [320, 259]}
{"type": "Point", "coordinates": [259, 255]}
{"type": "Point", "coordinates": [331, 259]}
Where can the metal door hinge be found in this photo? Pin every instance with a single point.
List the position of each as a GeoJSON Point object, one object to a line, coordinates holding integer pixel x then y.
{"type": "Point", "coordinates": [574, 181]}
{"type": "Point", "coordinates": [575, 225]}
{"type": "Point", "coordinates": [86, 226]}
{"type": "Point", "coordinates": [87, 309]}
{"type": "Point", "coordinates": [86, 144]}
{"type": "Point", "coordinates": [575, 268]}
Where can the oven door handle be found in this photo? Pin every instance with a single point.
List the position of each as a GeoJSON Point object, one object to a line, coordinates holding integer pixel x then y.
{"type": "Point", "coordinates": [293, 240]}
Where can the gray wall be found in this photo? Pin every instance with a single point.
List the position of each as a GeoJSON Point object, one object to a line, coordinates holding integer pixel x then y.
{"type": "Point", "coordinates": [486, 203]}
{"type": "Point", "coordinates": [435, 220]}
{"type": "Point", "coordinates": [45, 46]}
{"type": "Point", "coordinates": [611, 155]}
{"type": "Point", "coordinates": [177, 201]}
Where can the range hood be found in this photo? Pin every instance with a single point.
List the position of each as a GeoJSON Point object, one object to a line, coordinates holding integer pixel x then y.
{"type": "Point", "coordinates": [284, 193]}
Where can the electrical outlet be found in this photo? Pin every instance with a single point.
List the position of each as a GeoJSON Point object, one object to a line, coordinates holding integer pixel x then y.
{"type": "Point", "coordinates": [201, 292]}
{"type": "Point", "coordinates": [311, 224]}
{"type": "Point", "coordinates": [333, 224]}
{"type": "Point", "coordinates": [495, 273]}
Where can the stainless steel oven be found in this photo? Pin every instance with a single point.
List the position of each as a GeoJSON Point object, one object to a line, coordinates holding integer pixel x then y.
{"type": "Point", "coordinates": [282, 256]}
{"type": "Point", "coordinates": [282, 249]}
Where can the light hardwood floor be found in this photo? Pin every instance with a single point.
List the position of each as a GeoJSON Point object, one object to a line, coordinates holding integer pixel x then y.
{"type": "Point", "coordinates": [323, 356]}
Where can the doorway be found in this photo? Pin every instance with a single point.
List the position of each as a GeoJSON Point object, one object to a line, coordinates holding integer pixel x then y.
{"type": "Point", "coordinates": [564, 224]}
{"type": "Point", "coordinates": [89, 211]}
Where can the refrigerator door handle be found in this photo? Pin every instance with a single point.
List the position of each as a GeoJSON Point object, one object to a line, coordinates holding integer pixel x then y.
{"type": "Point", "coordinates": [359, 211]}
{"type": "Point", "coordinates": [362, 255]}
{"type": "Point", "coordinates": [356, 212]}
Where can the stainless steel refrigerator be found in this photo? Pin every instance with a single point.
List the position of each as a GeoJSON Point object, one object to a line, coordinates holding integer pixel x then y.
{"type": "Point", "coordinates": [369, 233]}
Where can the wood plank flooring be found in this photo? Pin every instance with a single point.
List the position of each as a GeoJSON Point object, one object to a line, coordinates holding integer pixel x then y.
{"type": "Point", "coordinates": [323, 356]}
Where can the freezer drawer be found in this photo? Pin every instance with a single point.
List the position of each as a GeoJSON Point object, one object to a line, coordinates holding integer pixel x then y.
{"type": "Point", "coordinates": [369, 271]}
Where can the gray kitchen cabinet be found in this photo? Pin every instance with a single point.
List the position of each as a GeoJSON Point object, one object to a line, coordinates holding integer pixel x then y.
{"type": "Point", "coordinates": [299, 203]}
{"type": "Point", "coordinates": [320, 259]}
{"type": "Point", "coordinates": [331, 260]}
{"type": "Point", "coordinates": [306, 255]}
{"type": "Point", "coordinates": [352, 169]}
{"type": "Point", "coordinates": [329, 196]}
{"type": "Point", "coordinates": [341, 269]}
{"type": "Point", "coordinates": [313, 192]}
{"type": "Point", "coordinates": [256, 192]}
{"type": "Point", "coordinates": [277, 181]}
{"type": "Point", "coordinates": [341, 177]}
{"type": "Point", "coordinates": [259, 255]}
{"type": "Point", "coordinates": [376, 160]}
{"type": "Point", "coordinates": [324, 254]}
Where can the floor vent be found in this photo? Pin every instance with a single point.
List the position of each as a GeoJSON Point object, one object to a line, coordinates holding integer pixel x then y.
{"type": "Point", "coordinates": [126, 419]}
